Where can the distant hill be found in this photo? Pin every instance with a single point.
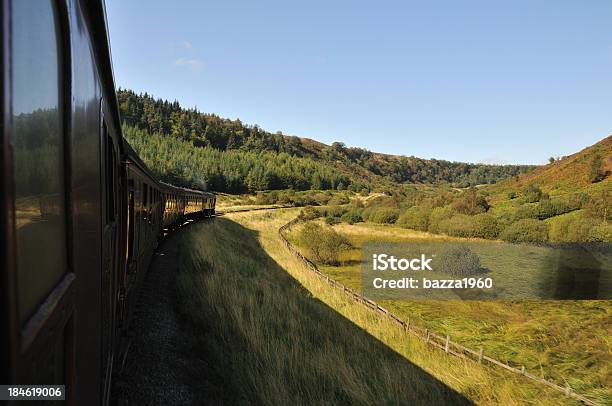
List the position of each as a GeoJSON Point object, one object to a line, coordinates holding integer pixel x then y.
{"type": "Point", "coordinates": [354, 168]}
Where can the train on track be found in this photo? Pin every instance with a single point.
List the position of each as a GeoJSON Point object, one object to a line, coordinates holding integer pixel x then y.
{"type": "Point", "coordinates": [80, 213]}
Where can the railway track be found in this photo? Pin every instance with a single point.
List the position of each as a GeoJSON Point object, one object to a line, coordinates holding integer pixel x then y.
{"type": "Point", "coordinates": [155, 369]}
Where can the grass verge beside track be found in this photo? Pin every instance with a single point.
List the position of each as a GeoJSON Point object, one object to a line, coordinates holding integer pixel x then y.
{"type": "Point", "coordinates": [271, 332]}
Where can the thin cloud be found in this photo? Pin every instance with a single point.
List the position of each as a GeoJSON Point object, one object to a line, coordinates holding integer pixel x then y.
{"type": "Point", "coordinates": [187, 45]}
{"type": "Point", "coordinates": [195, 64]}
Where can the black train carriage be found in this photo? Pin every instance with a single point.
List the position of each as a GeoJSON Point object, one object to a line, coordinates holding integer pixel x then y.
{"type": "Point", "coordinates": [80, 214]}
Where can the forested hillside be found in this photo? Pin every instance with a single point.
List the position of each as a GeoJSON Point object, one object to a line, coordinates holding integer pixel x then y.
{"type": "Point", "coordinates": [352, 167]}
{"type": "Point", "coordinates": [181, 163]}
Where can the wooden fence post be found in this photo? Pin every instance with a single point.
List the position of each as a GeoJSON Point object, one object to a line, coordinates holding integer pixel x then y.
{"type": "Point", "coordinates": [427, 335]}
{"type": "Point", "coordinates": [446, 344]}
{"type": "Point", "coordinates": [480, 355]}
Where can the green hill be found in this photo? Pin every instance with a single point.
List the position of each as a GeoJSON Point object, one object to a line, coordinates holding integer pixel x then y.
{"type": "Point", "coordinates": [355, 168]}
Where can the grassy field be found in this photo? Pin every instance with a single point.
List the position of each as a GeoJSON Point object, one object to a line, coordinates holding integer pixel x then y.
{"type": "Point", "coordinates": [271, 332]}
{"type": "Point", "coordinates": [567, 341]}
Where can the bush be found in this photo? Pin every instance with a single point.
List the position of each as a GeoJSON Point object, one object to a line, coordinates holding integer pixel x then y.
{"type": "Point", "coordinates": [526, 211]}
{"type": "Point", "coordinates": [439, 214]}
{"type": "Point", "coordinates": [601, 232]}
{"type": "Point", "coordinates": [551, 208]}
{"type": "Point", "coordinates": [357, 204]}
{"type": "Point", "coordinates": [485, 226]}
{"type": "Point", "coordinates": [600, 207]}
{"type": "Point", "coordinates": [309, 213]}
{"type": "Point", "coordinates": [284, 198]}
{"type": "Point", "coordinates": [338, 200]}
{"type": "Point", "coordinates": [471, 203]}
{"type": "Point", "coordinates": [352, 217]}
{"type": "Point", "coordinates": [331, 220]}
{"type": "Point", "coordinates": [262, 198]}
{"type": "Point", "coordinates": [526, 230]}
{"type": "Point", "coordinates": [596, 172]}
{"type": "Point", "coordinates": [459, 261]}
{"type": "Point", "coordinates": [559, 229]}
{"type": "Point", "coordinates": [532, 193]}
{"type": "Point", "coordinates": [416, 218]}
{"type": "Point", "coordinates": [323, 244]}
{"type": "Point", "coordinates": [366, 213]}
{"type": "Point", "coordinates": [384, 216]}
{"type": "Point", "coordinates": [460, 225]}
{"type": "Point", "coordinates": [333, 211]}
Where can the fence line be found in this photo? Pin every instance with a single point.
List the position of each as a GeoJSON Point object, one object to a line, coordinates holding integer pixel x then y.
{"type": "Point", "coordinates": [429, 337]}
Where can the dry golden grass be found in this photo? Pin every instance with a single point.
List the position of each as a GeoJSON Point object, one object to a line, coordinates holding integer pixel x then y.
{"type": "Point", "coordinates": [565, 341]}
{"type": "Point", "coordinates": [480, 384]}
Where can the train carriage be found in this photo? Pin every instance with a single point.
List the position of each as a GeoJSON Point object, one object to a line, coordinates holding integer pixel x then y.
{"type": "Point", "coordinates": [80, 213]}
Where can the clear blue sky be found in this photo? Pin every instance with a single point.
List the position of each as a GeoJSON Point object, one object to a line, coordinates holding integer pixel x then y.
{"type": "Point", "coordinates": [479, 81]}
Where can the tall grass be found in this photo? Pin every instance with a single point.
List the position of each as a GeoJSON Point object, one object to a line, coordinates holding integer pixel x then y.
{"type": "Point", "coordinates": [269, 339]}
{"type": "Point", "coordinates": [270, 342]}
{"type": "Point", "coordinates": [565, 341]}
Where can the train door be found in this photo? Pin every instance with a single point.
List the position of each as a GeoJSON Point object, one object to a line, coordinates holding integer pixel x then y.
{"type": "Point", "coordinates": [130, 226]}
{"type": "Point", "coordinates": [37, 279]}
{"type": "Point", "coordinates": [110, 252]}
{"type": "Point", "coordinates": [127, 272]}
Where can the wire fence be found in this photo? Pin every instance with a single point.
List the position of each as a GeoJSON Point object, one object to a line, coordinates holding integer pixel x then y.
{"type": "Point", "coordinates": [442, 342]}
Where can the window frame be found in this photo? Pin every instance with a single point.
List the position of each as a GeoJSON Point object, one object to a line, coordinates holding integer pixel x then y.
{"type": "Point", "coordinates": [24, 333]}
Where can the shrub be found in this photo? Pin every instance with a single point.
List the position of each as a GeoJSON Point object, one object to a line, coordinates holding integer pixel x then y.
{"type": "Point", "coordinates": [460, 225]}
{"type": "Point", "coordinates": [384, 216]}
{"type": "Point", "coordinates": [352, 217]}
{"type": "Point", "coordinates": [485, 225]}
{"type": "Point", "coordinates": [309, 213]}
{"type": "Point", "coordinates": [357, 203]}
{"type": "Point", "coordinates": [526, 211]}
{"type": "Point", "coordinates": [596, 172]}
{"type": "Point", "coordinates": [333, 211]}
{"type": "Point", "coordinates": [439, 214]}
{"type": "Point", "coordinates": [366, 213]}
{"type": "Point", "coordinates": [578, 200]}
{"type": "Point", "coordinates": [559, 229]}
{"type": "Point", "coordinates": [331, 220]}
{"type": "Point", "coordinates": [526, 230]}
{"type": "Point", "coordinates": [602, 232]}
{"type": "Point", "coordinates": [551, 208]}
{"type": "Point", "coordinates": [600, 207]}
{"type": "Point", "coordinates": [284, 198]}
{"type": "Point", "coordinates": [470, 202]}
{"type": "Point", "coordinates": [323, 244]}
{"type": "Point", "coordinates": [532, 193]}
{"type": "Point", "coordinates": [460, 261]}
{"type": "Point", "coordinates": [416, 218]}
{"type": "Point", "coordinates": [338, 200]}
{"type": "Point", "coordinates": [266, 198]}
{"type": "Point", "coordinates": [511, 195]}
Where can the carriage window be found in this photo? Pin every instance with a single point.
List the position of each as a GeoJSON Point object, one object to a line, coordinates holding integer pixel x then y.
{"type": "Point", "coordinates": [145, 194]}
{"type": "Point", "coordinates": [37, 150]}
{"type": "Point", "coordinates": [111, 163]}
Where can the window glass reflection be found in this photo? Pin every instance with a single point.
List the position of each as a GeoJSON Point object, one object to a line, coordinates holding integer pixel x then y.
{"type": "Point", "coordinates": [37, 150]}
